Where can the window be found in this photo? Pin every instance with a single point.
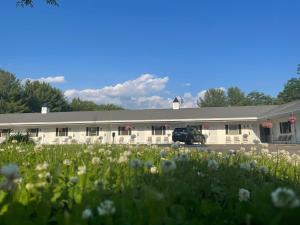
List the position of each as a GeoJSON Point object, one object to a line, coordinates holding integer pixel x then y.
{"type": "Point", "coordinates": [124, 131]}
{"type": "Point", "coordinates": [4, 132]}
{"type": "Point", "coordinates": [285, 128]}
{"type": "Point", "coordinates": [61, 132]}
{"type": "Point", "coordinates": [33, 132]}
{"type": "Point", "coordinates": [233, 129]}
{"type": "Point", "coordinates": [92, 131]}
{"type": "Point", "coordinates": [158, 130]}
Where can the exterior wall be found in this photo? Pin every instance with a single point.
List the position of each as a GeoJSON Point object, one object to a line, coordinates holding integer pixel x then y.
{"type": "Point", "coordinates": [275, 132]}
{"type": "Point", "coordinates": [215, 133]}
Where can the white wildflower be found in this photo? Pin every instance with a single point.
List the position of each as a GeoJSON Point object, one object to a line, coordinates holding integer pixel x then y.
{"type": "Point", "coordinates": [106, 208]}
{"type": "Point", "coordinates": [168, 165]}
{"type": "Point", "coordinates": [43, 166]}
{"type": "Point", "coordinates": [263, 169]}
{"type": "Point", "coordinates": [87, 214]}
{"type": "Point", "coordinates": [244, 195]}
{"type": "Point", "coordinates": [29, 186]}
{"type": "Point", "coordinates": [74, 180]}
{"type": "Point", "coordinates": [67, 162]}
{"type": "Point", "coordinates": [245, 166]}
{"type": "Point", "coordinates": [10, 171]}
{"type": "Point", "coordinates": [135, 163]}
{"type": "Point", "coordinates": [284, 197]}
{"type": "Point", "coordinates": [81, 170]}
{"type": "Point", "coordinates": [95, 160]}
{"type": "Point", "coordinates": [213, 164]}
{"type": "Point", "coordinates": [153, 170]}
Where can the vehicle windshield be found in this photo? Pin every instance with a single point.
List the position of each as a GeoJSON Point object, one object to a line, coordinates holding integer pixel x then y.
{"type": "Point", "coordinates": [180, 130]}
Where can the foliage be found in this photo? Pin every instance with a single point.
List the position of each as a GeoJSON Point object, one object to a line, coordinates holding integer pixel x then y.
{"type": "Point", "coordinates": [38, 94]}
{"type": "Point", "coordinates": [11, 95]}
{"type": "Point", "coordinates": [259, 98]}
{"type": "Point", "coordinates": [19, 138]}
{"type": "Point", "coordinates": [235, 97]}
{"type": "Point", "coordinates": [290, 92]}
{"type": "Point", "coordinates": [212, 98]}
{"type": "Point", "coordinates": [80, 105]}
{"type": "Point", "coordinates": [24, 3]}
{"type": "Point", "coordinates": [78, 184]}
{"type": "Point", "coordinates": [31, 96]}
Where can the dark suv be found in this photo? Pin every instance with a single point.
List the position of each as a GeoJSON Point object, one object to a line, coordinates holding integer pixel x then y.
{"type": "Point", "coordinates": [188, 135]}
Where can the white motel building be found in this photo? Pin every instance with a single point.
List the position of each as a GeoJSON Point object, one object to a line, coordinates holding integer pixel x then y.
{"type": "Point", "coordinates": [220, 125]}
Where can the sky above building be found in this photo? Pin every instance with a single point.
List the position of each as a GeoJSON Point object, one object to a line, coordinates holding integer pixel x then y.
{"type": "Point", "coordinates": [142, 53]}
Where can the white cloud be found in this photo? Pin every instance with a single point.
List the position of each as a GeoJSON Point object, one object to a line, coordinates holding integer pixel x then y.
{"type": "Point", "coordinates": [141, 92]}
{"type": "Point", "coordinates": [50, 80]}
{"type": "Point", "coordinates": [146, 91]}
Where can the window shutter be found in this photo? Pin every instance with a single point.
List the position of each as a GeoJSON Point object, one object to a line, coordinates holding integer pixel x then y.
{"type": "Point", "coordinates": [67, 130]}
{"type": "Point", "coordinates": [97, 131]}
{"type": "Point", "coordinates": [87, 132]}
{"type": "Point", "coordinates": [56, 132]}
{"type": "Point", "coordinates": [152, 130]}
{"type": "Point", "coordinates": [280, 125]}
{"type": "Point", "coordinates": [240, 129]}
{"type": "Point", "coordinates": [226, 129]}
{"type": "Point", "coordinates": [164, 130]}
{"type": "Point", "coordinates": [119, 131]}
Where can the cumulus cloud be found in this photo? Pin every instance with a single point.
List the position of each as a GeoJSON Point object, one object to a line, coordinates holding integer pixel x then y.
{"type": "Point", "coordinates": [141, 92]}
{"type": "Point", "coordinates": [50, 80]}
{"type": "Point", "coordinates": [146, 91]}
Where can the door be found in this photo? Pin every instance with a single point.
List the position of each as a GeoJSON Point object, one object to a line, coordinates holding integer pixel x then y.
{"type": "Point", "coordinates": [265, 134]}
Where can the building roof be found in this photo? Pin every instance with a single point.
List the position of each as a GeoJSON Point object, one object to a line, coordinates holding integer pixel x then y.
{"type": "Point", "coordinates": [146, 115]}
{"type": "Point", "coordinates": [286, 109]}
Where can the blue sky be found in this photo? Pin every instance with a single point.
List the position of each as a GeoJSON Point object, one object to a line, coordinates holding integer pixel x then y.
{"type": "Point", "coordinates": [103, 48]}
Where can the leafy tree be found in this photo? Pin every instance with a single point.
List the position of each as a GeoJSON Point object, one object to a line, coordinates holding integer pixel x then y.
{"type": "Point", "coordinates": [11, 95]}
{"type": "Point", "coordinates": [24, 3]}
{"type": "Point", "coordinates": [80, 105]}
{"type": "Point", "coordinates": [291, 91]}
{"type": "Point", "coordinates": [259, 98]}
{"type": "Point", "coordinates": [38, 94]}
{"type": "Point", "coordinates": [235, 97]}
{"type": "Point", "coordinates": [212, 98]}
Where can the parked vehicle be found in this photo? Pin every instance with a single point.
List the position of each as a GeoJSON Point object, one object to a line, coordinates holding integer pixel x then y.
{"type": "Point", "coordinates": [188, 135]}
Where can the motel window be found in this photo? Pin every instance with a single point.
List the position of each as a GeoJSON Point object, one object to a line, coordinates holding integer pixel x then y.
{"type": "Point", "coordinates": [158, 130]}
{"type": "Point", "coordinates": [285, 128]}
{"type": "Point", "coordinates": [33, 132]}
{"type": "Point", "coordinates": [61, 132]}
{"type": "Point", "coordinates": [233, 129]}
{"type": "Point", "coordinates": [123, 131]}
{"type": "Point", "coordinates": [4, 132]}
{"type": "Point", "coordinates": [92, 131]}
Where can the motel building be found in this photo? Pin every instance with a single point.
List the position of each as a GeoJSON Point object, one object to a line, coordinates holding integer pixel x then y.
{"type": "Point", "coordinates": [220, 125]}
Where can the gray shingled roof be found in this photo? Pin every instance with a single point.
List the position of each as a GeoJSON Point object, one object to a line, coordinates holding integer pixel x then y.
{"type": "Point", "coordinates": [139, 115]}
{"type": "Point", "coordinates": [285, 109]}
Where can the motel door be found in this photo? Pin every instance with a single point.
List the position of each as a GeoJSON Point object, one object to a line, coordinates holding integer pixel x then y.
{"type": "Point", "coordinates": [265, 134]}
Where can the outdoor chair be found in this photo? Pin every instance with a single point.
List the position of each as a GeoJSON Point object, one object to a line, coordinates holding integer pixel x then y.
{"type": "Point", "coordinates": [236, 140]}
{"type": "Point", "coordinates": [228, 140]}
{"type": "Point", "coordinates": [158, 140]}
{"type": "Point", "coordinates": [149, 140]}
{"type": "Point", "coordinates": [166, 140]}
{"type": "Point", "coordinates": [121, 140]}
{"type": "Point", "coordinates": [289, 138]}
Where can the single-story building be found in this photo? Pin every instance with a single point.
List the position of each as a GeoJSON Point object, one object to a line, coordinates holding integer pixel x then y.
{"type": "Point", "coordinates": [220, 125]}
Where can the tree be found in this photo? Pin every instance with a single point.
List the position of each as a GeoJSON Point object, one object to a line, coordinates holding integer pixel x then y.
{"type": "Point", "coordinates": [38, 94]}
{"type": "Point", "coordinates": [11, 94]}
{"type": "Point", "coordinates": [212, 98]}
{"type": "Point", "coordinates": [290, 92]}
{"type": "Point", "coordinates": [24, 3]}
{"type": "Point", "coordinates": [235, 97]}
{"type": "Point", "coordinates": [259, 98]}
{"type": "Point", "coordinates": [79, 105]}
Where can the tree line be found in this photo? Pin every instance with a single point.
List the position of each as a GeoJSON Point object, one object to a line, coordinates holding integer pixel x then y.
{"type": "Point", "coordinates": [234, 96]}
{"type": "Point", "coordinates": [18, 97]}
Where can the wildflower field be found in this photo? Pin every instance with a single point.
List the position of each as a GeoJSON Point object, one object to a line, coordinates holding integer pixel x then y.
{"type": "Point", "coordinates": [79, 184]}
